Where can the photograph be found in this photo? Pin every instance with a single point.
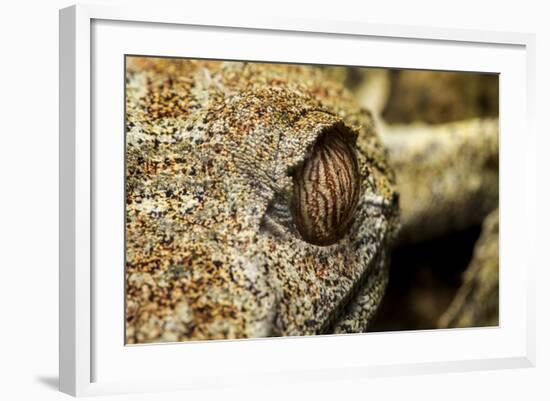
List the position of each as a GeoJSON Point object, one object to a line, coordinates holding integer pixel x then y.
{"type": "Point", "coordinates": [282, 200]}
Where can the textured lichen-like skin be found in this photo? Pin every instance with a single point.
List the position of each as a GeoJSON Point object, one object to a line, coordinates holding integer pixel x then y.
{"type": "Point", "coordinates": [477, 300]}
{"type": "Point", "coordinates": [447, 175]}
{"type": "Point", "coordinates": [211, 248]}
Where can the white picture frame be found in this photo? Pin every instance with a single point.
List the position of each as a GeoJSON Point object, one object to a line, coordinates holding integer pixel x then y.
{"type": "Point", "coordinates": [93, 358]}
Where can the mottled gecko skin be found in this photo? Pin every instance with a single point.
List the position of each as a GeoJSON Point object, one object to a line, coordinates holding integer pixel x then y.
{"type": "Point", "coordinates": [476, 303]}
{"type": "Point", "coordinates": [211, 248]}
{"type": "Point", "coordinates": [446, 175]}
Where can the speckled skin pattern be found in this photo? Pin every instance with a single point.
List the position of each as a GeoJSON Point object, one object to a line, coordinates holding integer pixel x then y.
{"type": "Point", "coordinates": [476, 302]}
{"type": "Point", "coordinates": [211, 248]}
{"type": "Point", "coordinates": [447, 175]}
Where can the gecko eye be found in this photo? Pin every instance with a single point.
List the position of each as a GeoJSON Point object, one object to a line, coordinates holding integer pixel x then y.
{"type": "Point", "coordinates": [326, 190]}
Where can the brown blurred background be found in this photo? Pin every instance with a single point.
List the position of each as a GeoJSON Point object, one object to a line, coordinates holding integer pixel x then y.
{"type": "Point", "coordinates": [429, 286]}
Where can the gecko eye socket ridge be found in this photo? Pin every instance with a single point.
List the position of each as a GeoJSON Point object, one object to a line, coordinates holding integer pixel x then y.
{"type": "Point", "coordinates": [326, 190]}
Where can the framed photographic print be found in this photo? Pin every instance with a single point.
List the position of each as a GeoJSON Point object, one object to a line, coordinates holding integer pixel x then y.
{"type": "Point", "coordinates": [314, 200]}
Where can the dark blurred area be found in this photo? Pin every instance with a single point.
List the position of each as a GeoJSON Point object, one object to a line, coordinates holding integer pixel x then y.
{"type": "Point", "coordinates": [424, 278]}
{"type": "Point", "coordinates": [437, 97]}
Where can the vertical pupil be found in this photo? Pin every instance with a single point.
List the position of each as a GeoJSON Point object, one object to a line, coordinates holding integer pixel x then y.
{"type": "Point", "coordinates": [326, 190]}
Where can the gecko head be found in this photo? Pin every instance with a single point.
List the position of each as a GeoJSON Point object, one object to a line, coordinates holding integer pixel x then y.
{"type": "Point", "coordinates": [274, 207]}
